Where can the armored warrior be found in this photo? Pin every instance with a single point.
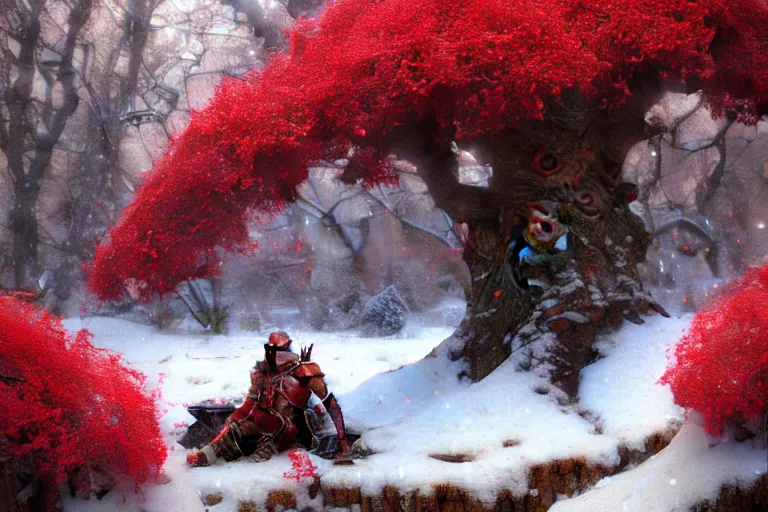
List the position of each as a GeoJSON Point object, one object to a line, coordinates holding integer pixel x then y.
{"type": "Point", "coordinates": [279, 412]}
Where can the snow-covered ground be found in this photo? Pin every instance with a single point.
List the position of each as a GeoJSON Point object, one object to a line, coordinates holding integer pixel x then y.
{"type": "Point", "coordinates": [413, 410]}
{"type": "Point", "coordinates": [692, 469]}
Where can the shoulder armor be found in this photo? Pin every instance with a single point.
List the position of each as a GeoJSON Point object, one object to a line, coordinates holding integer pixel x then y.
{"type": "Point", "coordinates": [283, 359]}
{"type": "Point", "coordinates": [308, 369]}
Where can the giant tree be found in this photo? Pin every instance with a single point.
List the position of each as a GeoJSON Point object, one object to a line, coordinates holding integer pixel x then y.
{"type": "Point", "coordinates": [550, 93]}
{"type": "Point", "coordinates": [116, 74]}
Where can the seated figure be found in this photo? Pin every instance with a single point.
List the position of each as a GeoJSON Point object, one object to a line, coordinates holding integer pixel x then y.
{"type": "Point", "coordinates": [278, 412]}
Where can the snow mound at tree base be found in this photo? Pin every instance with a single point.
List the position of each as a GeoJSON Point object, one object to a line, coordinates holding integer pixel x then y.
{"type": "Point", "coordinates": [695, 472]}
{"type": "Point", "coordinates": [507, 442]}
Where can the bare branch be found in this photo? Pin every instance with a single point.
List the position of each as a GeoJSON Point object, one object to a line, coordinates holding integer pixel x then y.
{"type": "Point", "coordinates": [19, 96]}
{"type": "Point", "coordinates": [329, 220]}
{"type": "Point", "coordinates": [78, 17]}
{"type": "Point", "coordinates": [707, 192]}
{"type": "Point", "coordinates": [715, 140]}
{"type": "Point", "coordinates": [683, 224]}
{"type": "Point", "coordinates": [438, 166]}
{"type": "Point", "coordinates": [3, 137]}
{"type": "Point", "coordinates": [407, 222]}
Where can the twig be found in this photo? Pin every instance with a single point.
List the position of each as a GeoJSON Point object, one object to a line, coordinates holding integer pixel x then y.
{"type": "Point", "coordinates": [189, 307]}
{"type": "Point", "coordinates": [407, 222]}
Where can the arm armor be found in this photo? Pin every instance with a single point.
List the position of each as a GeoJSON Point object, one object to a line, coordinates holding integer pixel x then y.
{"type": "Point", "coordinates": [332, 406]}
{"type": "Point", "coordinates": [243, 411]}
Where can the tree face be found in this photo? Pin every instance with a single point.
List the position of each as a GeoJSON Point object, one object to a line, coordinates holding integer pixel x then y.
{"type": "Point", "coordinates": [556, 189]}
{"type": "Point", "coordinates": [560, 263]}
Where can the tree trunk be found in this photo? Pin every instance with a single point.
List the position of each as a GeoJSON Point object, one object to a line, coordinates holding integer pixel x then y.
{"type": "Point", "coordinates": [552, 246]}
{"type": "Point", "coordinates": [497, 307]}
{"type": "Point", "coordinates": [26, 122]}
{"type": "Point", "coordinates": [548, 309]}
{"type": "Point", "coordinates": [23, 224]}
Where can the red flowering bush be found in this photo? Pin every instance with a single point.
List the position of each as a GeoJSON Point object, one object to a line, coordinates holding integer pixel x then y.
{"type": "Point", "coordinates": [365, 68]}
{"type": "Point", "coordinates": [68, 405]}
{"type": "Point", "coordinates": [721, 364]}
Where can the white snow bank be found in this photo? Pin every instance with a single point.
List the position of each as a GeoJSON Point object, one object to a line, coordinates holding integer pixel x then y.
{"type": "Point", "coordinates": [620, 390]}
{"type": "Point", "coordinates": [685, 473]}
{"type": "Point", "coordinates": [196, 367]}
{"type": "Point", "coordinates": [436, 415]}
{"type": "Point", "coordinates": [439, 416]}
{"type": "Point", "coordinates": [406, 415]}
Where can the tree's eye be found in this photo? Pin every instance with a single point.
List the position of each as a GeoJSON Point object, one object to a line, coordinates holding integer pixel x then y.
{"type": "Point", "coordinates": [588, 202]}
{"type": "Point", "coordinates": [546, 164]}
{"type": "Point", "coordinates": [587, 199]}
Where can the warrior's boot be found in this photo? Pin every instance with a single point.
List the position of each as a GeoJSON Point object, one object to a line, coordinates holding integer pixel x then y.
{"type": "Point", "coordinates": [204, 457]}
{"type": "Point", "coordinates": [338, 445]}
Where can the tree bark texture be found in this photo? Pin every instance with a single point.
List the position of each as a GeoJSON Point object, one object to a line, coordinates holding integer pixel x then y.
{"type": "Point", "coordinates": [34, 126]}
{"type": "Point", "coordinates": [588, 288]}
{"type": "Point", "coordinates": [552, 244]}
{"type": "Point", "coordinates": [23, 224]}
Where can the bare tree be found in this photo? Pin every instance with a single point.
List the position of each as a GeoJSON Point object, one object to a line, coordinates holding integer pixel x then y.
{"type": "Point", "coordinates": [341, 243]}
{"type": "Point", "coordinates": [94, 90]}
{"type": "Point", "coordinates": [94, 176]}
{"type": "Point", "coordinates": [36, 107]}
{"type": "Point", "coordinates": [702, 194]}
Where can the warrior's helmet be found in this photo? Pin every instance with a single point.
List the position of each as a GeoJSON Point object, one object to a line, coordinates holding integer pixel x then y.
{"type": "Point", "coordinates": [279, 341]}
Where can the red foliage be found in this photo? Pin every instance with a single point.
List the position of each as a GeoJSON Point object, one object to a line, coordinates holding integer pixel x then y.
{"type": "Point", "coordinates": [301, 466]}
{"type": "Point", "coordinates": [366, 67]}
{"type": "Point", "coordinates": [721, 364]}
{"type": "Point", "coordinates": [67, 404]}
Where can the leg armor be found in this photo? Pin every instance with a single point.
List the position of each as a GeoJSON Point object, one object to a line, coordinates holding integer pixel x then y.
{"type": "Point", "coordinates": [331, 446]}
{"type": "Point", "coordinates": [238, 439]}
